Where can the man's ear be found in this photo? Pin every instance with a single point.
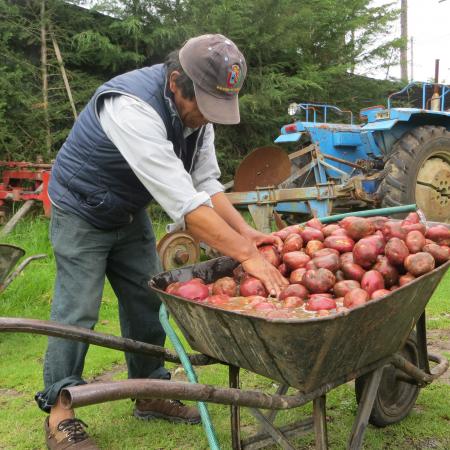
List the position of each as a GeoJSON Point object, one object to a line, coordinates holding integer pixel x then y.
{"type": "Point", "coordinates": [172, 78]}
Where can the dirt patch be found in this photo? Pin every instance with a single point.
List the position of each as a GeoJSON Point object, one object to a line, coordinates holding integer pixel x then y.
{"type": "Point", "coordinates": [109, 374]}
{"type": "Point", "coordinates": [439, 342]}
{"type": "Point", "coordinates": [10, 393]}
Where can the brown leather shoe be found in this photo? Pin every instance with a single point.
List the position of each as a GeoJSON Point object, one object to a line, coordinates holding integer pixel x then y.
{"type": "Point", "coordinates": [171, 410]}
{"type": "Point", "coordinates": [69, 434]}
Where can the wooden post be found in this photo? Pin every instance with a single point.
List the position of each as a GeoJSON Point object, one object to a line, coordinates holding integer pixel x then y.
{"type": "Point", "coordinates": [404, 34]}
{"type": "Point", "coordinates": [63, 73]}
{"type": "Point", "coordinates": [44, 73]}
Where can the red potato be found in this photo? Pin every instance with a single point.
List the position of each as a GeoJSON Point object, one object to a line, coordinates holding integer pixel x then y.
{"type": "Point", "coordinates": [438, 233]}
{"type": "Point", "coordinates": [313, 246]}
{"type": "Point", "coordinates": [379, 293]}
{"type": "Point", "coordinates": [319, 280]}
{"type": "Point", "coordinates": [314, 223]}
{"type": "Point", "coordinates": [378, 222]}
{"type": "Point", "coordinates": [346, 221]}
{"type": "Point", "coordinates": [353, 271]}
{"type": "Point", "coordinates": [326, 251]}
{"type": "Point", "coordinates": [297, 275]}
{"type": "Point", "coordinates": [405, 279]}
{"type": "Point", "coordinates": [365, 253]}
{"type": "Point", "coordinates": [218, 300]}
{"type": "Point", "coordinates": [320, 303]}
{"type": "Point", "coordinates": [252, 286]}
{"type": "Point", "coordinates": [339, 232]}
{"type": "Point", "coordinates": [225, 285]}
{"type": "Point", "coordinates": [407, 227]}
{"type": "Point", "coordinates": [323, 294]}
{"type": "Point", "coordinates": [346, 258]}
{"type": "Point", "coordinates": [379, 241]}
{"type": "Point", "coordinates": [419, 263]}
{"type": "Point", "coordinates": [359, 228]}
{"type": "Point", "coordinates": [355, 297]}
{"type": "Point", "coordinates": [295, 260]}
{"type": "Point", "coordinates": [192, 290]}
{"type": "Point", "coordinates": [310, 234]}
{"type": "Point", "coordinates": [264, 306]}
{"type": "Point", "coordinates": [342, 287]}
{"type": "Point", "coordinates": [440, 253]}
{"type": "Point", "coordinates": [285, 232]}
{"type": "Point", "coordinates": [328, 229]}
{"type": "Point", "coordinates": [396, 251]}
{"type": "Point", "coordinates": [282, 268]}
{"type": "Point", "coordinates": [330, 262]}
{"type": "Point", "coordinates": [292, 302]}
{"type": "Point", "coordinates": [342, 244]}
{"type": "Point", "coordinates": [393, 229]}
{"type": "Point", "coordinates": [294, 290]}
{"type": "Point", "coordinates": [310, 265]}
{"type": "Point", "coordinates": [292, 243]}
{"type": "Point", "coordinates": [387, 270]}
{"type": "Point", "coordinates": [271, 254]}
{"type": "Point", "coordinates": [415, 241]}
{"type": "Point", "coordinates": [412, 217]}
{"type": "Point", "coordinates": [254, 300]}
{"type": "Point", "coordinates": [372, 281]}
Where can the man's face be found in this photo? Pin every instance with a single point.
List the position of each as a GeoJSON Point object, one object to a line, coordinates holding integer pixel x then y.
{"type": "Point", "coordinates": [187, 109]}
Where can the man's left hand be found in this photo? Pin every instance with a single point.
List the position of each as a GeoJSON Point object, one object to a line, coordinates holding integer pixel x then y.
{"type": "Point", "coordinates": [258, 238]}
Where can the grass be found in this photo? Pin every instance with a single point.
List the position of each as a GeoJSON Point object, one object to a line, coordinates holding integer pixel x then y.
{"type": "Point", "coordinates": [111, 424]}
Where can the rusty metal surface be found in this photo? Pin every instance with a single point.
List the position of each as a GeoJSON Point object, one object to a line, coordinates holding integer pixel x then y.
{"type": "Point", "coordinates": [264, 166]}
{"type": "Point", "coordinates": [178, 249]}
{"type": "Point", "coordinates": [80, 334]}
{"type": "Point", "coordinates": [9, 255]}
{"type": "Point", "coordinates": [301, 353]}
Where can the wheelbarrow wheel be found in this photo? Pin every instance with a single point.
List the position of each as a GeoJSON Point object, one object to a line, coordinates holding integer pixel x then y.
{"type": "Point", "coordinates": [395, 398]}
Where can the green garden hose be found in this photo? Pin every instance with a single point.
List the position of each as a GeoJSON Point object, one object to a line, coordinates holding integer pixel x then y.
{"type": "Point", "coordinates": [191, 375]}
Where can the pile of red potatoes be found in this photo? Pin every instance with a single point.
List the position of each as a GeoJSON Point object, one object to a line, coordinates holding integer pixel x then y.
{"type": "Point", "coordinates": [331, 268]}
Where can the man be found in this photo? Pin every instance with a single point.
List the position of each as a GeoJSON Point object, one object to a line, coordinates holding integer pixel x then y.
{"type": "Point", "coordinates": [144, 135]}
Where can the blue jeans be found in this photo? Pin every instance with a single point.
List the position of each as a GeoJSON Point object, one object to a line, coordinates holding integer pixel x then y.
{"type": "Point", "coordinates": [84, 255]}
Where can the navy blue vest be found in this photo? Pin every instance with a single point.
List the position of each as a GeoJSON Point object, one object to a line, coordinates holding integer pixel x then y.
{"type": "Point", "coordinates": [90, 177]}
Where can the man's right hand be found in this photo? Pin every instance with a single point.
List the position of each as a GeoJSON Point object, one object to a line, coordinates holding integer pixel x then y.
{"type": "Point", "coordinates": [260, 268]}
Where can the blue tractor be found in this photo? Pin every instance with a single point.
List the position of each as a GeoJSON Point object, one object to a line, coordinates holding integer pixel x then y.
{"type": "Point", "coordinates": [399, 154]}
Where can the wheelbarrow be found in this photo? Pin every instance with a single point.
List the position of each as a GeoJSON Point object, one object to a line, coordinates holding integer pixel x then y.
{"type": "Point", "coordinates": [9, 256]}
{"type": "Point", "coordinates": [374, 344]}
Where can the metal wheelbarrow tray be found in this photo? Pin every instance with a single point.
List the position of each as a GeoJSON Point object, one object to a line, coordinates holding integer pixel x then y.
{"type": "Point", "coordinates": [303, 353]}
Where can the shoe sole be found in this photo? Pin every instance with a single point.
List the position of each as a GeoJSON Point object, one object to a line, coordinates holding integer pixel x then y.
{"type": "Point", "coordinates": [154, 415]}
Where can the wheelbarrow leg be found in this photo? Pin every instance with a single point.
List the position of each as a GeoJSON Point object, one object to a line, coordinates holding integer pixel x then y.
{"type": "Point", "coordinates": [272, 414]}
{"type": "Point", "coordinates": [320, 423]}
{"type": "Point", "coordinates": [364, 410]}
{"type": "Point", "coordinates": [276, 434]}
{"type": "Point", "coordinates": [233, 376]}
{"type": "Point", "coordinates": [421, 331]}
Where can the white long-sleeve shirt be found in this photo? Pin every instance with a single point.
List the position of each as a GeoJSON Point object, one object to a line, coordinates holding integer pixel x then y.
{"type": "Point", "coordinates": [139, 133]}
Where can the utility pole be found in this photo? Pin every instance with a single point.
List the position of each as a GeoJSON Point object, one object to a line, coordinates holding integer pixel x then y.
{"type": "Point", "coordinates": [404, 35]}
{"type": "Point", "coordinates": [44, 73]}
{"type": "Point", "coordinates": [411, 63]}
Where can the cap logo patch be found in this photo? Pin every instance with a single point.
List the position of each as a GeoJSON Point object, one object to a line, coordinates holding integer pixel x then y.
{"type": "Point", "coordinates": [233, 76]}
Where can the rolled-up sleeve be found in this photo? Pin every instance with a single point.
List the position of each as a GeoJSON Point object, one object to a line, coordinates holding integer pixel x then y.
{"type": "Point", "coordinates": [206, 172]}
{"type": "Point", "coordinates": [139, 133]}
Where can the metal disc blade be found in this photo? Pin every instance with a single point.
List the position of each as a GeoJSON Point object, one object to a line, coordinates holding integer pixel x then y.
{"type": "Point", "coordinates": [264, 166]}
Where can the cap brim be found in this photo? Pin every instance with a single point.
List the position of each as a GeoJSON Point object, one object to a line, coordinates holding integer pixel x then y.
{"type": "Point", "coordinates": [217, 110]}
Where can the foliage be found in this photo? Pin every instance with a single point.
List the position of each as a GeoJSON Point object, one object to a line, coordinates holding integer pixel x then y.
{"type": "Point", "coordinates": [295, 51]}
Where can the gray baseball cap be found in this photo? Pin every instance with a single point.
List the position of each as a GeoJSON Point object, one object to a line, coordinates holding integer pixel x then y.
{"type": "Point", "coordinates": [217, 68]}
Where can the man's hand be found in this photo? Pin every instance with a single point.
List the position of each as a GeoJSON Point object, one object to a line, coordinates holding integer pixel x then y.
{"type": "Point", "coordinates": [257, 238]}
{"type": "Point", "coordinates": [272, 279]}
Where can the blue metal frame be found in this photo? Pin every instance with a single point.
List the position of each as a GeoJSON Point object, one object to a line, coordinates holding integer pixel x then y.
{"type": "Point", "coordinates": [350, 142]}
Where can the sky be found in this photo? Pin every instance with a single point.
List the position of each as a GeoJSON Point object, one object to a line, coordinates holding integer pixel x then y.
{"type": "Point", "coordinates": [429, 25]}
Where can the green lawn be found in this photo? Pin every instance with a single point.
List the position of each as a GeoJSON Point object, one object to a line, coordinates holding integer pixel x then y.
{"type": "Point", "coordinates": [112, 425]}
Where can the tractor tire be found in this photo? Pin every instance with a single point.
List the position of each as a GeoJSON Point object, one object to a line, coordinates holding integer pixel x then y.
{"type": "Point", "coordinates": [395, 398]}
{"type": "Point", "coordinates": [418, 171]}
